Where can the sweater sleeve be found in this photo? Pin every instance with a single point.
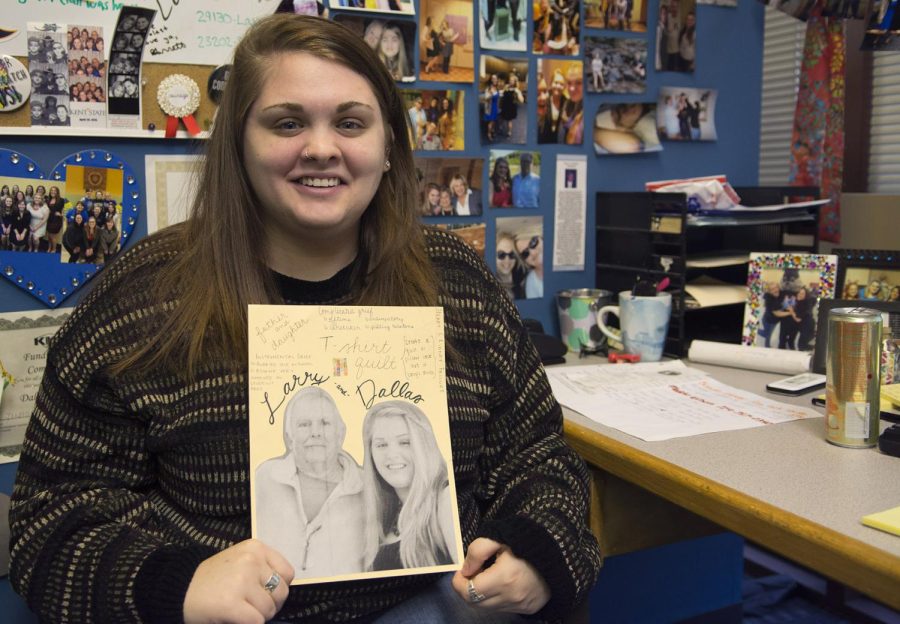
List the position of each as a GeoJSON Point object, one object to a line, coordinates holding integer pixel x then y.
{"type": "Point", "coordinates": [86, 544]}
{"type": "Point", "coordinates": [536, 486]}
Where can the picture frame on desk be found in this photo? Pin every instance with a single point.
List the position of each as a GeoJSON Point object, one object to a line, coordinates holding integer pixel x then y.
{"type": "Point", "coordinates": [868, 274]}
{"type": "Point", "coordinates": [825, 306]}
{"type": "Point", "coordinates": [777, 285]}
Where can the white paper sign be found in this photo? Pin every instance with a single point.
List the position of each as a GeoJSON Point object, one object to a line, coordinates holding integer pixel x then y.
{"type": "Point", "coordinates": [571, 209]}
{"type": "Point", "coordinates": [24, 337]}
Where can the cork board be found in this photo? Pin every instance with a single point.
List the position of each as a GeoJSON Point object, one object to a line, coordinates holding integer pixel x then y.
{"type": "Point", "coordinates": [151, 75]}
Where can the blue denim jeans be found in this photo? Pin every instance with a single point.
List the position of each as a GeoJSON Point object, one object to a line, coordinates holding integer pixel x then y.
{"type": "Point", "coordinates": [439, 604]}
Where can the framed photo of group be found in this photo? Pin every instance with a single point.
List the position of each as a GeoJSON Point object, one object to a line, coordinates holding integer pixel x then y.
{"type": "Point", "coordinates": [868, 274]}
{"type": "Point", "coordinates": [782, 291]}
{"type": "Point", "coordinates": [867, 278]}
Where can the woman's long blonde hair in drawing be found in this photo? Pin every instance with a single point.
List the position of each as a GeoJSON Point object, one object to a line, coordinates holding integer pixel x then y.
{"type": "Point", "coordinates": [418, 523]}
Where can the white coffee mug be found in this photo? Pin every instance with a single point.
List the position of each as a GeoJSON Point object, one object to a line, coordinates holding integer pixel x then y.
{"type": "Point", "coordinates": [644, 322]}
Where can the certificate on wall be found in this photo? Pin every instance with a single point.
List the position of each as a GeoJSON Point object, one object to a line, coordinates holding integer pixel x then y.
{"type": "Point", "coordinates": [24, 338]}
{"type": "Point", "coordinates": [351, 472]}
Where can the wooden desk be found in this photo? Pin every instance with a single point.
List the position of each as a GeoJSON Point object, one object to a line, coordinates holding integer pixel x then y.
{"type": "Point", "coordinates": [781, 486]}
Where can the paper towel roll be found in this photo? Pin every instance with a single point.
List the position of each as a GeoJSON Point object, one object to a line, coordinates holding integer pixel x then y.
{"type": "Point", "coordinates": [753, 358]}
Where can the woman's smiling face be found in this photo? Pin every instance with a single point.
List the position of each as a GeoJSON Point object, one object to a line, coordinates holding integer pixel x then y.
{"type": "Point", "coordinates": [392, 453]}
{"type": "Point", "coordinates": [314, 157]}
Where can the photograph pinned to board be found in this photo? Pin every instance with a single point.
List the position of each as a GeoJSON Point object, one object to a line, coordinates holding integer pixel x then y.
{"type": "Point", "coordinates": [557, 28]}
{"type": "Point", "coordinates": [503, 25]}
{"type": "Point", "coordinates": [87, 76]}
{"type": "Point", "coordinates": [123, 88]}
{"type": "Point", "coordinates": [437, 117]}
{"type": "Point", "coordinates": [48, 66]}
{"type": "Point", "coordinates": [472, 233]}
{"type": "Point", "coordinates": [303, 7]}
{"type": "Point", "coordinates": [615, 65]}
{"type": "Point", "coordinates": [503, 83]}
{"type": "Point", "coordinates": [446, 41]}
{"type": "Point", "coordinates": [626, 128]}
{"type": "Point", "coordinates": [378, 6]}
{"type": "Point", "coordinates": [373, 388]}
{"type": "Point", "coordinates": [560, 101]}
{"type": "Point", "coordinates": [450, 187]}
{"type": "Point", "coordinates": [515, 179]}
{"type": "Point", "coordinates": [524, 238]}
{"type": "Point", "coordinates": [782, 292]}
{"type": "Point", "coordinates": [392, 40]}
{"type": "Point", "coordinates": [623, 15]}
{"type": "Point", "coordinates": [686, 114]}
{"type": "Point", "coordinates": [676, 34]}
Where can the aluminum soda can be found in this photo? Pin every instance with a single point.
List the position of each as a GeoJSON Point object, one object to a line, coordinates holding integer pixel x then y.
{"type": "Point", "coordinates": [853, 377]}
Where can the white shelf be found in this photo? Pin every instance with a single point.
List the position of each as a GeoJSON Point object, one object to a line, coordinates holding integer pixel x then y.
{"type": "Point", "coordinates": [113, 133]}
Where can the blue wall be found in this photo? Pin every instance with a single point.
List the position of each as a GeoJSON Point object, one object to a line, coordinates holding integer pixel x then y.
{"type": "Point", "coordinates": [729, 59]}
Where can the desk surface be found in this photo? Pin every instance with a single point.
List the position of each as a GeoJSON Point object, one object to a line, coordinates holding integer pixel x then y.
{"type": "Point", "coordinates": [781, 486]}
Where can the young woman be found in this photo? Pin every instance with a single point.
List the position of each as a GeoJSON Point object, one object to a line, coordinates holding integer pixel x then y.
{"type": "Point", "coordinates": [392, 52]}
{"type": "Point", "coordinates": [431, 40]}
{"type": "Point", "coordinates": [491, 102]}
{"type": "Point", "coordinates": [466, 202]}
{"type": "Point", "coordinates": [510, 99]}
{"type": "Point", "coordinates": [40, 214]}
{"type": "Point", "coordinates": [132, 495]}
{"type": "Point", "coordinates": [109, 241]}
{"type": "Point", "coordinates": [409, 519]}
{"type": "Point", "coordinates": [510, 270]}
{"type": "Point", "coordinates": [56, 203]}
{"type": "Point", "coordinates": [548, 128]}
{"type": "Point", "coordinates": [501, 184]}
{"type": "Point", "coordinates": [73, 237]}
{"type": "Point", "coordinates": [7, 216]}
{"type": "Point", "coordinates": [448, 38]}
{"type": "Point", "coordinates": [20, 236]}
{"type": "Point", "coordinates": [91, 241]}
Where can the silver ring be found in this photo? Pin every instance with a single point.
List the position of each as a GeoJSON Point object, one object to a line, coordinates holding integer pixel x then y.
{"type": "Point", "coordinates": [474, 595]}
{"type": "Point", "coordinates": [306, 155]}
{"type": "Point", "coordinates": [272, 583]}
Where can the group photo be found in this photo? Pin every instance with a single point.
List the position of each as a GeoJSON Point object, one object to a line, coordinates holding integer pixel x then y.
{"type": "Point", "coordinates": [789, 313]}
{"type": "Point", "coordinates": [450, 187]}
{"type": "Point", "coordinates": [519, 265]}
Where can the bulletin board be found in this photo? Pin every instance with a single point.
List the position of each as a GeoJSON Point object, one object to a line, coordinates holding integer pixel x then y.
{"type": "Point", "coordinates": [729, 42]}
{"type": "Point", "coordinates": [202, 32]}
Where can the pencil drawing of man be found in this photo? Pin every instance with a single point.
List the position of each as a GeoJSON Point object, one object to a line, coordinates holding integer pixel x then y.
{"type": "Point", "coordinates": [309, 503]}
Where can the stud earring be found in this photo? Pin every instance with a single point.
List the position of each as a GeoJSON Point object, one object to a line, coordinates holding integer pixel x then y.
{"type": "Point", "coordinates": [387, 165]}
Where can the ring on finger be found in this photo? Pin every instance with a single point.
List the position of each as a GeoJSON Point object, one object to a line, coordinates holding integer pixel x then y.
{"type": "Point", "coordinates": [474, 595]}
{"type": "Point", "coordinates": [273, 582]}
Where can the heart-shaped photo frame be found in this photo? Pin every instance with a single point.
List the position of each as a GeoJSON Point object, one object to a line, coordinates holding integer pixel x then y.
{"type": "Point", "coordinates": [86, 216]}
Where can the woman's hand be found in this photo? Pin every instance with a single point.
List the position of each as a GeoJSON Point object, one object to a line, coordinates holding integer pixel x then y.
{"type": "Point", "coordinates": [510, 584]}
{"type": "Point", "coordinates": [230, 586]}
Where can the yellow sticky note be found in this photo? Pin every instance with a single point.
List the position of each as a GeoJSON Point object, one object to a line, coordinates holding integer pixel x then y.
{"type": "Point", "coordinates": [884, 520]}
{"type": "Point", "coordinates": [891, 393]}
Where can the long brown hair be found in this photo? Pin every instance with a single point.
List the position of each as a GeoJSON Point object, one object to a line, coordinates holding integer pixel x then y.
{"type": "Point", "coordinates": [217, 267]}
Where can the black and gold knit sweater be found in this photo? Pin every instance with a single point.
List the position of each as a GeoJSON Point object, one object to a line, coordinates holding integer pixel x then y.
{"type": "Point", "coordinates": [126, 484]}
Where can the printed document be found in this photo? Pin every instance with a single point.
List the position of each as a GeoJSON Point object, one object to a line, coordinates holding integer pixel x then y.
{"type": "Point", "coordinates": [662, 400]}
